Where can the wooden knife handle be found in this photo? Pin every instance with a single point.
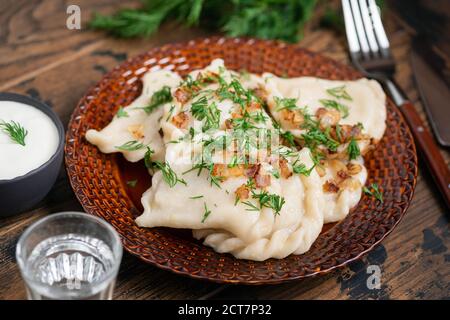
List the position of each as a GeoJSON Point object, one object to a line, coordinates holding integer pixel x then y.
{"type": "Point", "coordinates": [429, 150]}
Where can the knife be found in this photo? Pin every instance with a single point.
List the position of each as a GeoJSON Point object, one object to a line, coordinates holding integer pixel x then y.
{"type": "Point", "coordinates": [433, 88]}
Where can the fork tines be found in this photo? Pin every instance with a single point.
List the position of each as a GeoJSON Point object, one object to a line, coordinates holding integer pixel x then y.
{"type": "Point", "coordinates": [365, 32]}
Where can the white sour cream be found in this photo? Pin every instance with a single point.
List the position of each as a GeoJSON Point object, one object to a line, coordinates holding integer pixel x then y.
{"type": "Point", "coordinates": [41, 141]}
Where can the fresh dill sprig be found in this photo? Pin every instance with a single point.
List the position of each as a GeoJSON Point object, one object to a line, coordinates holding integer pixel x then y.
{"type": "Point", "coordinates": [209, 167]}
{"type": "Point", "coordinates": [339, 92]}
{"type": "Point", "coordinates": [159, 98]}
{"type": "Point", "coordinates": [353, 149]}
{"type": "Point", "coordinates": [251, 206]}
{"type": "Point", "coordinates": [15, 131]}
{"type": "Point", "coordinates": [198, 108]}
{"type": "Point", "coordinates": [374, 192]}
{"type": "Point", "coordinates": [285, 103]}
{"type": "Point", "coordinates": [172, 107]}
{"type": "Point", "coordinates": [266, 19]}
{"type": "Point", "coordinates": [300, 168]}
{"type": "Point", "coordinates": [121, 113]}
{"type": "Point", "coordinates": [288, 137]}
{"type": "Point", "coordinates": [132, 183]}
{"type": "Point", "coordinates": [169, 176]}
{"type": "Point", "coordinates": [131, 146]}
{"type": "Point", "coordinates": [209, 113]}
{"type": "Point", "coordinates": [206, 214]}
{"type": "Point", "coordinates": [272, 201]}
{"type": "Point", "coordinates": [335, 105]}
{"type": "Point", "coordinates": [196, 197]}
{"type": "Point", "coordinates": [276, 174]}
{"type": "Point", "coordinates": [148, 158]}
{"type": "Point", "coordinates": [315, 137]}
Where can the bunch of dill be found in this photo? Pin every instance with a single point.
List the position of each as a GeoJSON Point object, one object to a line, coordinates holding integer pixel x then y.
{"type": "Point", "coordinates": [266, 19]}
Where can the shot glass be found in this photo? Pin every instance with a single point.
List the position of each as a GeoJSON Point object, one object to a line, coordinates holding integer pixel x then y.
{"type": "Point", "coordinates": [69, 256]}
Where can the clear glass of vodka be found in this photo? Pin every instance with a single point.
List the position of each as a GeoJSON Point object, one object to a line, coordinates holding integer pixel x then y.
{"type": "Point", "coordinates": [69, 255]}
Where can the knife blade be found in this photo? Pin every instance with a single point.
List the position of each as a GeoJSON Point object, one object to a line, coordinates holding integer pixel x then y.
{"type": "Point", "coordinates": [434, 90]}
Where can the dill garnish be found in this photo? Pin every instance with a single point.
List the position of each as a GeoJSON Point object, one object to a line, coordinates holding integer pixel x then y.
{"type": "Point", "coordinates": [272, 201]}
{"type": "Point", "coordinates": [300, 168]}
{"type": "Point", "coordinates": [206, 214]}
{"type": "Point", "coordinates": [339, 92]}
{"type": "Point", "coordinates": [15, 131]}
{"type": "Point", "coordinates": [335, 105]}
{"type": "Point", "coordinates": [210, 113]}
{"type": "Point", "coordinates": [121, 113]}
{"type": "Point", "coordinates": [289, 137]}
{"type": "Point", "coordinates": [148, 158]}
{"type": "Point", "coordinates": [159, 98]}
{"type": "Point", "coordinates": [132, 183]}
{"type": "Point", "coordinates": [353, 149]}
{"type": "Point", "coordinates": [169, 176]}
{"type": "Point", "coordinates": [130, 146]}
{"type": "Point", "coordinates": [374, 192]}
{"type": "Point", "coordinates": [285, 103]}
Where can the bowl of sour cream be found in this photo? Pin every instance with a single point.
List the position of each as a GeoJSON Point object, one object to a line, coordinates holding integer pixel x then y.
{"type": "Point", "coordinates": [31, 152]}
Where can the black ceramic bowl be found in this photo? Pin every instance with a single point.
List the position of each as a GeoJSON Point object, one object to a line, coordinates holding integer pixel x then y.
{"type": "Point", "coordinates": [22, 193]}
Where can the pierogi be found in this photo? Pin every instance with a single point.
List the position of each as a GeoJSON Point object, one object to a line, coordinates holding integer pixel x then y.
{"type": "Point", "coordinates": [254, 165]}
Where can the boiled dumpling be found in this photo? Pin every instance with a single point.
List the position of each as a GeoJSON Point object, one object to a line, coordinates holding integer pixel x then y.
{"type": "Point", "coordinates": [347, 103]}
{"type": "Point", "coordinates": [136, 124]}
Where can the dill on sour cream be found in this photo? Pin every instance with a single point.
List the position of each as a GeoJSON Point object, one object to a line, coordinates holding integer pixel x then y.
{"type": "Point", "coordinates": [28, 139]}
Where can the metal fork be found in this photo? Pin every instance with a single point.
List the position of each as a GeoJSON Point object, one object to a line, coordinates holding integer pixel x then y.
{"type": "Point", "coordinates": [370, 53]}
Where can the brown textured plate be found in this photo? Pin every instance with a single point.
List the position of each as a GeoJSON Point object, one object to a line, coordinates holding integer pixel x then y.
{"type": "Point", "coordinates": [99, 180]}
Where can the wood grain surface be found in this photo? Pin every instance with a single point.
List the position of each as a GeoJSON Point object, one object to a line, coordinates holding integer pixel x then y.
{"type": "Point", "coordinates": [40, 57]}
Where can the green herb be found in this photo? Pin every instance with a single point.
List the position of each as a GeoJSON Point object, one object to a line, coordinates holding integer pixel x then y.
{"type": "Point", "coordinates": [132, 183]}
{"type": "Point", "coordinates": [148, 158]}
{"type": "Point", "coordinates": [267, 19]}
{"type": "Point", "coordinates": [195, 197]}
{"type": "Point", "coordinates": [234, 162]}
{"type": "Point", "coordinates": [285, 103]}
{"type": "Point", "coordinates": [15, 131]}
{"type": "Point", "coordinates": [121, 113]}
{"type": "Point", "coordinates": [169, 176]}
{"type": "Point", "coordinates": [172, 107]}
{"type": "Point", "coordinates": [251, 206]}
{"type": "Point", "coordinates": [301, 168]}
{"type": "Point", "coordinates": [243, 123]}
{"type": "Point", "coordinates": [130, 146]}
{"type": "Point", "coordinates": [289, 137]}
{"type": "Point", "coordinates": [204, 112]}
{"type": "Point", "coordinates": [260, 117]}
{"type": "Point", "coordinates": [338, 132]}
{"type": "Point", "coordinates": [200, 166]}
{"type": "Point", "coordinates": [272, 201]}
{"type": "Point", "coordinates": [353, 149]}
{"type": "Point", "coordinates": [315, 137]}
{"type": "Point", "coordinates": [159, 98]}
{"type": "Point", "coordinates": [374, 192]}
{"type": "Point", "coordinates": [339, 92]}
{"type": "Point", "coordinates": [206, 214]}
{"type": "Point", "coordinates": [276, 174]}
{"type": "Point", "coordinates": [198, 108]}
{"type": "Point", "coordinates": [335, 105]}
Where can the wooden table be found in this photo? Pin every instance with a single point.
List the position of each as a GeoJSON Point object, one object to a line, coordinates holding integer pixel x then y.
{"type": "Point", "coordinates": [41, 58]}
